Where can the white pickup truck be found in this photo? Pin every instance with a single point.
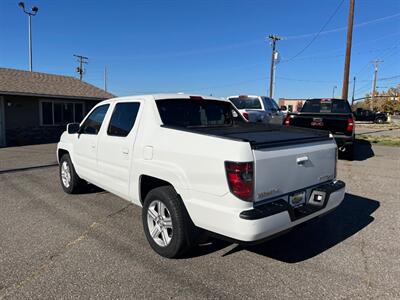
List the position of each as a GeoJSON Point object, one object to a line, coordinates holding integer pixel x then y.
{"type": "Point", "coordinates": [195, 165]}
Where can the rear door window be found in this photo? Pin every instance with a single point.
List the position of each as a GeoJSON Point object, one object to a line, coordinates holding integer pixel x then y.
{"type": "Point", "coordinates": [123, 118]}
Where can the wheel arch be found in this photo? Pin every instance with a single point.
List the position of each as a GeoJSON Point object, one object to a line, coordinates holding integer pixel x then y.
{"type": "Point", "coordinates": [60, 153]}
{"type": "Point", "coordinates": [148, 183]}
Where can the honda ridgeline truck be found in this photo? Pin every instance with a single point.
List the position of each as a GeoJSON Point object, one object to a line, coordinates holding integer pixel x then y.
{"type": "Point", "coordinates": [195, 165]}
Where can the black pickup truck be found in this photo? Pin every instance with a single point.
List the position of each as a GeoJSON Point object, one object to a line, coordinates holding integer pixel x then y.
{"type": "Point", "coordinates": [333, 115]}
{"type": "Point", "coordinates": [369, 115]}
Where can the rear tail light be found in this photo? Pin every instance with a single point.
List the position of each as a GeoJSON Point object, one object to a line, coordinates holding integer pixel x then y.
{"type": "Point", "coordinates": [350, 124]}
{"type": "Point", "coordinates": [287, 121]}
{"type": "Point", "coordinates": [240, 179]}
{"type": "Point", "coordinates": [246, 115]}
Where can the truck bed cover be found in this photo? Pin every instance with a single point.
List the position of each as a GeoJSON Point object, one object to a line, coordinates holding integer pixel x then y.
{"type": "Point", "coordinates": [261, 135]}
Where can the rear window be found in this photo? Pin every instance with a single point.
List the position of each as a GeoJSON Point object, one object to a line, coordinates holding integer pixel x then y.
{"type": "Point", "coordinates": [195, 113]}
{"type": "Point", "coordinates": [246, 103]}
{"type": "Point", "coordinates": [326, 106]}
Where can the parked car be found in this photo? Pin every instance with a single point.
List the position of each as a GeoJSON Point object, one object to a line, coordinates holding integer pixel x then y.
{"type": "Point", "coordinates": [361, 114]}
{"type": "Point", "coordinates": [194, 167]}
{"type": "Point", "coordinates": [333, 115]}
{"type": "Point", "coordinates": [258, 109]}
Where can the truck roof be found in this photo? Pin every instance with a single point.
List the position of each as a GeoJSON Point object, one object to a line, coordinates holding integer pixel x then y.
{"type": "Point", "coordinates": [152, 97]}
{"type": "Point", "coordinates": [245, 96]}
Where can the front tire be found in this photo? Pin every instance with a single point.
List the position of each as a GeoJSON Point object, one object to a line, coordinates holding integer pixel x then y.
{"type": "Point", "coordinates": [70, 181]}
{"type": "Point", "coordinates": [166, 223]}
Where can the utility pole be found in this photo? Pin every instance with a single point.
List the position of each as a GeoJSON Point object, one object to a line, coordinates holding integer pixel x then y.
{"type": "Point", "coordinates": [273, 39]}
{"type": "Point", "coordinates": [82, 60]}
{"type": "Point", "coordinates": [354, 89]}
{"type": "Point", "coordinates": [30, 14]}
{"type": "Point", "coordinates": [105, 79]}
{"type": "Point", "coordinates": [333, 91]}
{"type": "Point", "coordinates": [376, 63]}
{"type": "Point", "coordinates": [345, 88]}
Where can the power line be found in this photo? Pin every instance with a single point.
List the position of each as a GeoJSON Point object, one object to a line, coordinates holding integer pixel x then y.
{"type": "Point", "coordinates": [384, 54]}
{"type": "Point", "coordinates": [306, 35]}
{"type": "Point", "coordinates": [318, 33]}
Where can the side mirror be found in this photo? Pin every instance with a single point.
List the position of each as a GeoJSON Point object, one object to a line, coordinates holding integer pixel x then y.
{"type": "Point", "coordinates": [283, 107]}
{"type": "Point", "coordinates": [73, 128]}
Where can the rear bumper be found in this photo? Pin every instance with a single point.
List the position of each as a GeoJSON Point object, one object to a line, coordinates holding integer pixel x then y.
{"type": "Point", "coordinates": [280, 205]}
{"type": "Point", "coordinates": [263, 221]}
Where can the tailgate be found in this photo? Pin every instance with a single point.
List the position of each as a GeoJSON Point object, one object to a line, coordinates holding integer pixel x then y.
{"type": "Point", "coordinates": [279, 171]}
{"type": "Point", "coordinates": [335, 123]}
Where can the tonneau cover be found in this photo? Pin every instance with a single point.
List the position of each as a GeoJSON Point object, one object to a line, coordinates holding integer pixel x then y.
{"type": "Point", "coordinates": [264, 136]}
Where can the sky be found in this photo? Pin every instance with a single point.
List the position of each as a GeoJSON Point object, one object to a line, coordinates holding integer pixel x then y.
{"type": "Point", "coordinates": [216, 47]}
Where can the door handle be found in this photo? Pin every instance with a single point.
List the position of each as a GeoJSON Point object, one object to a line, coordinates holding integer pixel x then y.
{"type": "Point", "coordinates": [93, 146]}
{"type": "Point", "coordinates": [301, 160]}
{"type": "Point", "coordinates": [125, 151]}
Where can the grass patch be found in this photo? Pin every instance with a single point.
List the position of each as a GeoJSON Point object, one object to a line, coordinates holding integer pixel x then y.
{"type": "Point", "coordinates": [393, 141]}
{"type": "Point", "coordinates": [378, 126]}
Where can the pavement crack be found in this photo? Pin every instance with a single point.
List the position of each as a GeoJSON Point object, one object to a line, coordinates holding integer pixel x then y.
{"type": "Point", "coordinates": [7, 290]}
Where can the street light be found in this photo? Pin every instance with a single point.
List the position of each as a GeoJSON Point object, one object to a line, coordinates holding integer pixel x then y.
{"type": "Point", "coordinates": [34, 10]}
{"type": "Point", "coordinates": [333, 92]}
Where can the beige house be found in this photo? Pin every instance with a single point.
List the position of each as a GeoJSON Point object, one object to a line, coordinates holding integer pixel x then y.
{"type": "Point", "coordinates": [35, 107]}
{"type": "Point", "coordinates": [293, 105]}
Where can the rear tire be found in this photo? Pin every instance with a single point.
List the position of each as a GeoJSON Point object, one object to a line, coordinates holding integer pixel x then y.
{"type": "Point", "coordinates": [70, 181]}
{"type": "Point", "coordinates": [166, 223]}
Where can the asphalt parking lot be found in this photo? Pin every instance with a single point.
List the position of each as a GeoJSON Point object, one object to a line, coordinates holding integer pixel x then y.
{"type": "Point", "coordinates": [92, 245]}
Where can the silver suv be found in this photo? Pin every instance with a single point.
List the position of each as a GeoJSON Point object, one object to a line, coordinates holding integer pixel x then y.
{"type": "Point", "coordinates": [258, 109]}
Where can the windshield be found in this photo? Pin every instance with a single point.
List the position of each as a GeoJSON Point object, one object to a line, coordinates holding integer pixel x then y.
{"type": "Point", "coordinates": [326, 106]}
{"type": "Point", "coordinates": [196, 113]}
{"type": "Point", "coordinates": [246, 103]}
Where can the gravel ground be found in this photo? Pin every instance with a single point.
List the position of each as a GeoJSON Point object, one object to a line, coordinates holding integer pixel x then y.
{"type": "Point", "coordinates": [92, 245]}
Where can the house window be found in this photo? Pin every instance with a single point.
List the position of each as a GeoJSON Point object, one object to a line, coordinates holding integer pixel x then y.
{"type": "Point", "coordinates": [60, 113]}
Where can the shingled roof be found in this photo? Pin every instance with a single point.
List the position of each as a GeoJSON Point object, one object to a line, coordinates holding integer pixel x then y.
{"type": "Point", "coordinates": [18, 82]}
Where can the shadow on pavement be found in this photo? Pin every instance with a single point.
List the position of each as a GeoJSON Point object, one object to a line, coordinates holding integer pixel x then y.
{"type": "Point", "coordinates": [312, 238]}
{"type": "Point", "coordinates": [28, 168]}
{"type": "Point", "coordinates": [91, 189]}
{"type": "Point", "coordinates": [362, 151]}
{"type": "Point", "coordinates": [320, 234]}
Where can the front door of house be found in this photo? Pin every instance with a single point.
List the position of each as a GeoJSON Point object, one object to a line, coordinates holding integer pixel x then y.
{"type": "Point", "coordinates": [2, 124]}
